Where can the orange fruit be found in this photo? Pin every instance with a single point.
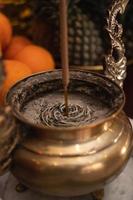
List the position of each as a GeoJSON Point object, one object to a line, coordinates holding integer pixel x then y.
{"type": "Point", "coordinates": [15, 71]}
{"type": "Point", "coordinates": [37, 58]}
{"type": "Point", "coordinates": [5, 31]}
{"type": "Point", "coordinates": [16, 45]}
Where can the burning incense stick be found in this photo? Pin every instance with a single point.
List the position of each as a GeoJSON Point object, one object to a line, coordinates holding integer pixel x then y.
{"type": "Point", "coordinates": [64, 50]}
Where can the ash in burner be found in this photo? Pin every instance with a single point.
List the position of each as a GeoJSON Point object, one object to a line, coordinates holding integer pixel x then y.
{"type": "Point", "coordinates": [54, 115]}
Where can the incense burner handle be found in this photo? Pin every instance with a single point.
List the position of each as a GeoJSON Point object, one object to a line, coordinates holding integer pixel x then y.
{"type": "Point", "coordinates": [116, 61]}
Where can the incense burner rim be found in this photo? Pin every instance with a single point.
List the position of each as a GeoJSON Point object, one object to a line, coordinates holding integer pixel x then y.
{"type": "Point", "coordinates": [67, 129]}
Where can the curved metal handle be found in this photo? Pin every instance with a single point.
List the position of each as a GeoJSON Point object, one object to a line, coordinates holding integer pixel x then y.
{"type": "Point", "coordinates": [116, 60]}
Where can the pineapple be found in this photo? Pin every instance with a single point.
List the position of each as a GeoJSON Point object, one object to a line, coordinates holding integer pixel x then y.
{"type": "Point", "coordinates": [85, 42]}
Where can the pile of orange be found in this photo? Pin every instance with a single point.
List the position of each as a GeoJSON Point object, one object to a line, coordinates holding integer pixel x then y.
{"type": "Point", "coordinates": [21, 57]}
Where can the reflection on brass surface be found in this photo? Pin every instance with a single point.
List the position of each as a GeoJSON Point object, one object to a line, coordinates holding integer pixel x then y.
{"type": "Point", "coordinates": [66, 168]}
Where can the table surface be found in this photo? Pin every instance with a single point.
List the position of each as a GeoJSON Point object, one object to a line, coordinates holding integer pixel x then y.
{"type": "Point", "coordinates": [120, 189]}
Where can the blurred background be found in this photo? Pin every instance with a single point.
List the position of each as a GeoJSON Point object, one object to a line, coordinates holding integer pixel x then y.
{"type": "Point", "coordinates": [38, 21]}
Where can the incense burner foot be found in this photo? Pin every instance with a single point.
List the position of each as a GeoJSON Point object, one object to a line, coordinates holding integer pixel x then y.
{"type": "Point", "coordinates": [21, 188]}
{"type": "Point", "coordinates": [98, 195]}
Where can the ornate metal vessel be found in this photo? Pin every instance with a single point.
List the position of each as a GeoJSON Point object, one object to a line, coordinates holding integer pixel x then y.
{"type": "Point", "coordinates": [66, 157]}
{"type": "Point", "coordinates": [70, 161]}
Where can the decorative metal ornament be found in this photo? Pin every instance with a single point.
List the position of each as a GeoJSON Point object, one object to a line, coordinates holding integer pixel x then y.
{"type": "Point", "coordinates": [9, 130]}
{"type": "Point", "coordinates": [9, 138]}
{"type": "Point", "coordinates": [116, 60]}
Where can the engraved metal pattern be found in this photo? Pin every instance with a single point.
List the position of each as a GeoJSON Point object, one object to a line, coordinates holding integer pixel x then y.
{"type": "Point", "coordinates": [9, 138]}
{"type": "Point", "coordinates": [53, 115]}
{"type": "Point", "coordinates": [116, 67]}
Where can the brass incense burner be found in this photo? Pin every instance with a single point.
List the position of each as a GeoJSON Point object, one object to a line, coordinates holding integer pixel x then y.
{"type": "Point", "coordinates": [76, 154]}
{"type": "Point", "coordinates": [70, 161]}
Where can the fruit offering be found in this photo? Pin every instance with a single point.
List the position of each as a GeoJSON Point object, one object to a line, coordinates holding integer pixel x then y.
{"type": "Point", "coordinates": [15, 71]}
{"type": "Point", "coordinates": [21, 57]}
{"type": "Point", "coordinates": [37, 58]}
{"type": "Point", "coordinates": [16, 45]}
{"type": "Point", "coordinates": [5, 31]}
